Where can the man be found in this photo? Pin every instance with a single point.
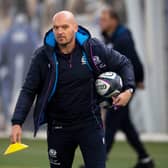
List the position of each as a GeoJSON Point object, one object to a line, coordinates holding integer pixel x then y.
{"type": "Point", "coordinates": [61, 77]}
{"type": "Point", "coordinates": [120, 38]}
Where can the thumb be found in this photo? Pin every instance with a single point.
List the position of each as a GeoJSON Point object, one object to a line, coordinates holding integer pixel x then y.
{"type": "Point", "coordinates": [116, 100]}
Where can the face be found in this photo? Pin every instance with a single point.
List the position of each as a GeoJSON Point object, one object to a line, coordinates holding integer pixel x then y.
{"type": "Point", "coordinates": [106, 22]}
{"type": "Point", "coordinates": [64, 30]}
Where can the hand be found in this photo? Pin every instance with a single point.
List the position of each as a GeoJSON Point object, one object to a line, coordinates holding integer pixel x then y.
{"type": "Point", "coordinates": [16, 134]}
{"type": "Point", "coordinates": [122, 99]}
{"type": "Point", "coordinates": [140, 85]}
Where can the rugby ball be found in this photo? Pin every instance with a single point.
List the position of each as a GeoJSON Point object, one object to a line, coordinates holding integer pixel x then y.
{"type": "Point", "coordinates": [109, 84]}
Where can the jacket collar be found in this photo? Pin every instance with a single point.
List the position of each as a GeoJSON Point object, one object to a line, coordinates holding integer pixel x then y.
{"type": "Point", "coordinates": [82, 35]}
{"type": "Point", "coordinates": [119, 30]}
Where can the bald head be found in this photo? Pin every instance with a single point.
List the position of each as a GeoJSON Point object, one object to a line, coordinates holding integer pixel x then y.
{"type": "Point", "coordinates": [64, 27]}
{"type": "Point", "coordinates": [65, 15]}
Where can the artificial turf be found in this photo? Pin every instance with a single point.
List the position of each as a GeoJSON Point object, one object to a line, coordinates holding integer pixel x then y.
{"type": "Point", "coordinates": [122, 156]}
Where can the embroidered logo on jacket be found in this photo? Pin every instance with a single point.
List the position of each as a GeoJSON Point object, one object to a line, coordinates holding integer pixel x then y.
{"type": "Point", "coordinates": [98, 62]}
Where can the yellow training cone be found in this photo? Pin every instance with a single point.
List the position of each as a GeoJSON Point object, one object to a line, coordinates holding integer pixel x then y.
{"type": "Point", "coordinates": [15, 148]}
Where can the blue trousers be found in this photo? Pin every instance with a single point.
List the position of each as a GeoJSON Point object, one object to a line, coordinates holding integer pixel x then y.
{"type": "Point", "coordinates": [63, 141]}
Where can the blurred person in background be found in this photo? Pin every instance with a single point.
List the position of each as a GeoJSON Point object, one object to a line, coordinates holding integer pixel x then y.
{"type": "Point", "coordinates": [17, 45]}
{"type": "Point", "coordinates": [5, 22]}
{"type": "Point", "coordinates": [5, 15]}
{"type": "Point", "coordinates": [34, 12]}
{"type": "Point", "coordinates": [49, 9]}
{"type": "Point", "coordinates": [75, 7]}
{"type": "Point", "coordinates": [118, 37]}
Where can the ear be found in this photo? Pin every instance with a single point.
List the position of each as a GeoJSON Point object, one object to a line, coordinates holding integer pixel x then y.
{"type": "Point", "coordinates": [76, 28]}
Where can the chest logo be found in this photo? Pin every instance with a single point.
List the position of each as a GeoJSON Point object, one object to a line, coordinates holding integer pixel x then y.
{"type": "Point", "coordinates": [110, 45]}
{"type": "Point", "coordinates": [83, 60]}
{"type": "Point", "coordinates": [98, 62]}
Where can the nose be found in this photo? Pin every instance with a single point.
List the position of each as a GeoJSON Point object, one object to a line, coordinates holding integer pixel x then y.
{"type": "Point", "coordinates": [59, 31]}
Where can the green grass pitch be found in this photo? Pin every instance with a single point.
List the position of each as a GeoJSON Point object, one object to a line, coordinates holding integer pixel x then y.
{"type": "Point", "coordinates": [122, 155]}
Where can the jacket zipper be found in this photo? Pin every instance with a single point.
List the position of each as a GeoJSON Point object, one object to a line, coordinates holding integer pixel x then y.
{"type": "Point", "coordinates": [49, 88]}
{"type": "Point", "coordinates": [70, 61]}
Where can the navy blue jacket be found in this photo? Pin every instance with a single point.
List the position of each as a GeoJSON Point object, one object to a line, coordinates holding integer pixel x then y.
{"type": "Point", "coordinates": [122, 41]}
{"type": "Point", "coordinates": [41, 81]}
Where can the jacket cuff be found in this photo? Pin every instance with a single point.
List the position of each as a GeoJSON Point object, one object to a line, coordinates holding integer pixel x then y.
{"type": "Point", "coordinates": [129, 87]}
{"type": "Point", "coordinates": [16, 122]}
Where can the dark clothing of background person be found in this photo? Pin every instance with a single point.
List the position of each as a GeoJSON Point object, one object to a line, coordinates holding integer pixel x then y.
{"type": "Point", "coordinates": [122, 41]}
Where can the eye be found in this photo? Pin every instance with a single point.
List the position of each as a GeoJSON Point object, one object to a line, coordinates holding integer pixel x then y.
{"type": "Point", "coordinates": [55, 27]}
{"type": "Point", "coordinates": [65, 27]}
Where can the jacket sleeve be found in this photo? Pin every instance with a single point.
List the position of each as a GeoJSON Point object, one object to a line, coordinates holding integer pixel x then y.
{"type": "Point", "coordinates": [121, 65]}
{"type": "Point", "coordinates": [116, 62]}
{"type": "Point", "coordinates": [28, 92]}
{"type": "Point", "coordinates": [126, 46]}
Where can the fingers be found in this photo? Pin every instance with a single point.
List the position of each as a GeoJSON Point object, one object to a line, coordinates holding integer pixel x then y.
{"type": "Point", "coordinates": [122, 99]}
{"type": "Point", "coordinates": [121, 103]}
{"type": "Point", "coordinates": [140, 85]}
{"type": "Point", "coordinates": [16, 134]}
{"type": "Point", "coordinates": [13, 139]}
{"type": "Point", "coordinates": [19, 138]}
{"type": "Point", "coordinates": [116, 100]}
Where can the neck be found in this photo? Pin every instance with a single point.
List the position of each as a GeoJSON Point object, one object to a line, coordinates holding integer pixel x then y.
{"type": "Point", "coordinates": [67, 48]}
{"type": "Point", "coordinates": [110, 31]}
